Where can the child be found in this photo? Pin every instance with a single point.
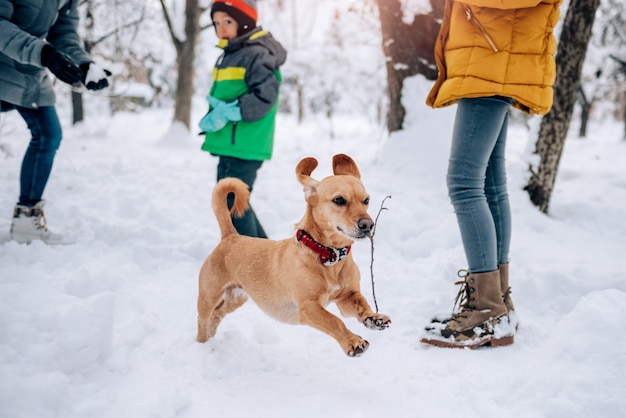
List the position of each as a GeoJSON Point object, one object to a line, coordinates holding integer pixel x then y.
{"type": "Point", "coordinates": [243, 100]}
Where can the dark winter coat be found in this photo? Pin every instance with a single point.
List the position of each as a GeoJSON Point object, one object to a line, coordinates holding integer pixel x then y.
{"type": "Point", "coordinates": [248, 71]}
{"type": "Point", "coordinates": [25, 27]}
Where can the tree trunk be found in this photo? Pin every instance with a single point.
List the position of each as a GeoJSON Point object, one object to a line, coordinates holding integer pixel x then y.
{"type": "Point", "coordinates": [77, 107]}
{"type": "Point", "coordinates": [570, 56]}
{"type": "Point", "coordinates": [396, 111]}
{"type": "Point", "coordinates": [408, 49]}
{"type": "Point", "coordinates": [78, 113]}
{"type": "Point", "coordinates": [622, 65]}
{"type": "Point", "coordinates": [585, 109]}
{"type": "Point", "coordinates": [390, 15]}
{"type": "Point", "coordinates": [185, 55]}
{"type": "Point", "coordinates": [584, 119]}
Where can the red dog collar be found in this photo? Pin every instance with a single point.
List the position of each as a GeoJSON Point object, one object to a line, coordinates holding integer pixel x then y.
{"type": "Point", "coordinates": [329, 256]}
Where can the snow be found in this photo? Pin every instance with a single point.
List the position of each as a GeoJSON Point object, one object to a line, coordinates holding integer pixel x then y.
{"type": "Point", "coordinates": [106, 327]}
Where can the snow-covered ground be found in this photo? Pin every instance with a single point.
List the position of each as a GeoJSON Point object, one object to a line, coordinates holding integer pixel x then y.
{"type": "Point", "coordinates": [106, 327]}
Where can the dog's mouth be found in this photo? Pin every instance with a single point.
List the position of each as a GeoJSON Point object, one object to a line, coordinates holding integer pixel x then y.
{"type": "Point", "coordinates": [358, 234]}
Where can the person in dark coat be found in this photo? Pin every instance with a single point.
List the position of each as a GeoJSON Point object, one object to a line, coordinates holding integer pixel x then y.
{"type": "Point", "coordinates": [38, 37]}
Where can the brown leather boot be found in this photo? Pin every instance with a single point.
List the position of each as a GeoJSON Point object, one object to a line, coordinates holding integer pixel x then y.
{"type": "Point", "coordinates": [482, 319]}
{"type": "Point", "coordinates": [506, 294]}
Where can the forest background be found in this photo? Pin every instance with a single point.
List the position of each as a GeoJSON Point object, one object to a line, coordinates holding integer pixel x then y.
{"type": "Point", "coordinates": [162, 55]}
{"type": "Point", "coordinates": [106, 327]}
{"type": "Point", "coordinates": [145, 43]}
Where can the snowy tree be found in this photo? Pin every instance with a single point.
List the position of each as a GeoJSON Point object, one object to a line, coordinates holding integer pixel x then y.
{"type": "Point", "coordinates": [100, 27]}
{"type": "Point", "coordinates": [185, 43]}
{"type": "Point", "coordinates": [571, 51]}
{"type": "Point", "coordinates": [603, 88]}
{"type": "Point", "coordinates": [334, 65]}
{"type": "Point", "coordinates": [408, 49]}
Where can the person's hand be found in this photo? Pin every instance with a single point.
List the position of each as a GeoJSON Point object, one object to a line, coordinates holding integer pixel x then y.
{"type": "Point", "coordinates": [220, 114]}
{"type": "Point", "coordinates": [61, 65]}
{"type": "Point", "coordinates": [94, 76]}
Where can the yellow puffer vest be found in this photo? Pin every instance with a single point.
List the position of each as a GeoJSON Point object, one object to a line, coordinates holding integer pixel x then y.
{"type": "Point", "coordinates": [497, 47]}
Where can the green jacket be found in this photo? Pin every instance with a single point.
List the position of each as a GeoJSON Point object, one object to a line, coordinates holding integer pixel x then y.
{"type": "Point", "coordinates": [247, 71]}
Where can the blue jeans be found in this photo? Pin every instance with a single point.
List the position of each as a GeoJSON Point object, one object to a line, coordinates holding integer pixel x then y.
{"type": "Point", "coordinates": [477, 181]}
{"type": "Point", "coordinates": [245, 170]}
{"type": "Point", "coordinates": [45, 129]}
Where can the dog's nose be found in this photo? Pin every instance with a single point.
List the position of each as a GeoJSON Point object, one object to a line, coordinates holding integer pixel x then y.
{"type": "Point", "coordinates": [365, 225]}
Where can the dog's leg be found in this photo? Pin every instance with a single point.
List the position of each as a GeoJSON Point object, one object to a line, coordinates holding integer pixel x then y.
{"type": "Point", "coordinates": [207, 304]}
{"type": "Point", "coordinates": [355, 305]}
{"type": "Point", "coordinates": [233, 298]}
{"type": "Point", "coordinates": [314, 315]}
{"type": "Point", "coordinates": [212, 310]}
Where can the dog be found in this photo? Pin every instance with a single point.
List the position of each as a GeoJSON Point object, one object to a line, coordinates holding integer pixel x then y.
{"type": "Point", "coordinates": [295, 279]}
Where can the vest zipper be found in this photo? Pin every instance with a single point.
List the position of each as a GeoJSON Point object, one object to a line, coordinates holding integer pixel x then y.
{"type": "Point", "coordinates": [471, 18]}
{"type": "Point", "coordinates": [232, 136]}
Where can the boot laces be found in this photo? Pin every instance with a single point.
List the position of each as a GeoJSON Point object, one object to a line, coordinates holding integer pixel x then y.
{"type": "Point", "coordinates": [39, 218]}
{"type": "Point", "coordinates": [463, 299]}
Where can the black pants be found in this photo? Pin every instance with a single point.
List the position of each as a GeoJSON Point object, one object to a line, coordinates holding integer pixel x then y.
{"type": "Point", "coordinates": [245, 170]}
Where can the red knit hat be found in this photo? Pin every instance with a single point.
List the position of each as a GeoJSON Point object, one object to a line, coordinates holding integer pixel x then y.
{"type": "Point", "coordinates": [247, 7]}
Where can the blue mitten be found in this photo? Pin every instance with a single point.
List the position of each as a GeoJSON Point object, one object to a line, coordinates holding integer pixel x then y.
{"type": "Point", "coordinates": [220, 114]}
{"type": "Point", "coordinates": [209, 123]}
{"type": "Point", "coordinates": [232, 111]}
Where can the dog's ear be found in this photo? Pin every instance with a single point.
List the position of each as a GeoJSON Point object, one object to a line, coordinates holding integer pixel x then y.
{"type": "Point", "coordinates": [303, 171]}
{"type": "Point", "coordinates": [344, 165]}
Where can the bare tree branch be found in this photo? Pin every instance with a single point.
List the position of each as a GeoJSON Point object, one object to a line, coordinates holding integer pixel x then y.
{"type": "Point", "coordinates": [117, 30]}
{"type": "Point", "coordinates": [170, 26]}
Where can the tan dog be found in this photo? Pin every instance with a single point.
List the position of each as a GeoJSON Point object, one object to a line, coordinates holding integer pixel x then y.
{"type": "Point", "coordinates": [293, 280]}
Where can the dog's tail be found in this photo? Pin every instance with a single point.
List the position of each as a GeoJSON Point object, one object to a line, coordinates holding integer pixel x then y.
{"type": "Point", "coordinates": [220, 206]}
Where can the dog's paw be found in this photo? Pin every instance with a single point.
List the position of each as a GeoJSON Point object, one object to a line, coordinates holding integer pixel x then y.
{"type": "Point", "coordinates": [377, 321]}
{"type": "Point", "coordinates": [357, 350]}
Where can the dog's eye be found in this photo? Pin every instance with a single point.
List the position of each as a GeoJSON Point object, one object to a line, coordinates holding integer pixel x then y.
{"type": "Point", "coordinates": [339, 201]}
{"type": "Point", "coordinates": [366, 201]}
